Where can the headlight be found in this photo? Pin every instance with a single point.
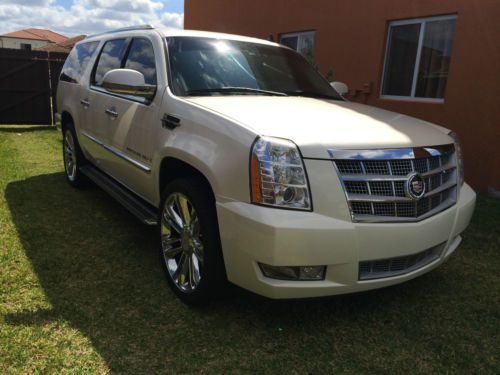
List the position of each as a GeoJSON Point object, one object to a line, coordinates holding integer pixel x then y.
{"type": "Point", "coordinates": [277, 174]}
{"type": "Point", "coordinates": [459, 156]}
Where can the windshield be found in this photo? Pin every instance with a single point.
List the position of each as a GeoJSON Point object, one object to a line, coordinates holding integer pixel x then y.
{"type": "Point", "coordinates": [209, 66]}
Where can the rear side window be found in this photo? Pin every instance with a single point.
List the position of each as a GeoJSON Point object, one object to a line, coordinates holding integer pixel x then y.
{"type": "Point", "coordinates": [77, 61]}
{"type": "Point", "coordinates": [109, 59]}
{"type": "Point", "coordinates": [141, 57]}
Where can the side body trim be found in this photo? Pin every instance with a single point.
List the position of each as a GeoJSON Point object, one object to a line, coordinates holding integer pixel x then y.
{"type": "Point", "coordinates": [118, 153]}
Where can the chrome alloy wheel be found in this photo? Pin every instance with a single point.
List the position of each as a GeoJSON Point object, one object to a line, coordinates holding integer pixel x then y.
{"type": "Point", "coordinates": [70, 155]}
{"type": "Point", "coordinates": [181, 243]}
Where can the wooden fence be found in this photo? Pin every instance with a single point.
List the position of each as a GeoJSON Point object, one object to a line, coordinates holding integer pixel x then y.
{"type": "Point", "coordinates": [28, 83]}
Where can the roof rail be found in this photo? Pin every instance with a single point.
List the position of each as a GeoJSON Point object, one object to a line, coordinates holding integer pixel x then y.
{"type": "Point", "coordinates": [128, 28]}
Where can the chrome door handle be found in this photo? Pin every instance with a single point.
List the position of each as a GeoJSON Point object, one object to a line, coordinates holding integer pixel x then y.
{"type": "Point", "coordinates": [111, 111]}
{"type": "Point", "coordinates": [85, 102]}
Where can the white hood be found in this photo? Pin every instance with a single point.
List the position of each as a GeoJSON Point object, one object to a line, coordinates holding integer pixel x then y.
{"type": "Point", "coordinates": [317, 125]}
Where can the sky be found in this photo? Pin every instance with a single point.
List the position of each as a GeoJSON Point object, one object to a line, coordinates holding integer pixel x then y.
{"type": "Point", "coordinates": [75, 17]}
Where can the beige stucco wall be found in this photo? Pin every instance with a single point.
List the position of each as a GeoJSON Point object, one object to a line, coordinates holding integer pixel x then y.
{"type": "Point", "coordinates": [15, 43]}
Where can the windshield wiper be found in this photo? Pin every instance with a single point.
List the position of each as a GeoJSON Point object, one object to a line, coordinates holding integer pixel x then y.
{"type": "Point", "coordinates": [311, 94]}
{"type": "Point", "coordinates": [229, 90]}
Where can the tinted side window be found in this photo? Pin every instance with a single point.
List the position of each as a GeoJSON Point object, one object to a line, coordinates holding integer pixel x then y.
{"type": "Point", "coordinates": [109, 59]}
{"type": "Point", "coordinates": [141, 57]}
{"type": "Point", "coordinates": [77, 61]}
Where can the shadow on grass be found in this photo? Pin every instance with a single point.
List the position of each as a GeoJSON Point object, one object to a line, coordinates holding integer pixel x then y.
{"type": "Point", "coordinates": [100, 269]}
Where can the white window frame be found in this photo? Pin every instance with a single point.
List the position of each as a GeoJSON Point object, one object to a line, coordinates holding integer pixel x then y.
{"type": "Point", "coordinates": [298, 35]}
{"type": "Point", "coordinates": [422, 21]}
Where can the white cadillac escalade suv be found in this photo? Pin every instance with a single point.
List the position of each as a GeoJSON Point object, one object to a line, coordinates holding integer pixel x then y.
{"type": "Point", "coordinates": [255, 169]}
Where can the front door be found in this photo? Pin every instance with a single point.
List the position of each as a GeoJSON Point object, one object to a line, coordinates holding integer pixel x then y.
{"type": "Point", "coordinates": [127, 120]}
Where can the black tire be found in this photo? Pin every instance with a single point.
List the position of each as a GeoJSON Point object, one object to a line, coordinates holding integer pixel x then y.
{"type": "Point", "coordinates": [72, 157]}
{"type": "Point", "coordinates": [211, 270]}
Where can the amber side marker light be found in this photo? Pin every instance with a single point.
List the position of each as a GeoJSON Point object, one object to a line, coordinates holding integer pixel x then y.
{"type": "Point", "coordinates": [255, 178]}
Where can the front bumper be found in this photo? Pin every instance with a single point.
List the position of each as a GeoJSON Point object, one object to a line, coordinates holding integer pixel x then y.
{"type": "Point", "coordinates": [253, 234]}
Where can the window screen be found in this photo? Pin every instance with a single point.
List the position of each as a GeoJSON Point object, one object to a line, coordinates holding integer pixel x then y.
{"type": "Point", "coordinates": [435, 59]}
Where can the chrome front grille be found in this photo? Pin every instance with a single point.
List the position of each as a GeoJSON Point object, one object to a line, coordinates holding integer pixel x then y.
{"type": "Point", "coordinates": [376, 182]}
{"type": "Point", "coordinates": [381, 268]}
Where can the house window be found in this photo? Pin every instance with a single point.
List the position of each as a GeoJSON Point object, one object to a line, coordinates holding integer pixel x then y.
{"type": "Point", "coordinates": [300, 42]}
{"type": "Point", "coordinates": [417, 58]}
{"type": "Point", "coordinates": [25, 46]}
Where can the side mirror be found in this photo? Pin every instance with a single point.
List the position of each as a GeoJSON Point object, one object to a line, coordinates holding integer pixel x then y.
{"type": "Point", "coordinates": [340, 87]}
{"type": "Point", "coordinates": [128, 82]}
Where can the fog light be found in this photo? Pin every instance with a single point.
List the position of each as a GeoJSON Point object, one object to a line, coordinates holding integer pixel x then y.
{"type": "Point", "coordinates": [293, 272]}
{"type": "Point", "coordinates": [312, 273]}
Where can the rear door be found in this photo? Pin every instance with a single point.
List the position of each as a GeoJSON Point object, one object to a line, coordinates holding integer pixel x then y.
{"type": "Point", "coordinates": [73, 85]}
{"type": "Point", "coordinates": [96, 100]}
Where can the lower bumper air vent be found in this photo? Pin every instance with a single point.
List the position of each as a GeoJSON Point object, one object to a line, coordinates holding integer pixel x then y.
{"type": "Point", "coordinates": [390, 267]}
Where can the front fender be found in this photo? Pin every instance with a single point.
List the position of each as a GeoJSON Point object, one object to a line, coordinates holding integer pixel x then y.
{"type": "Point", "coordinates": [217, 156]}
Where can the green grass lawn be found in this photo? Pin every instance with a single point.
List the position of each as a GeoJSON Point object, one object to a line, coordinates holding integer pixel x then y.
{"type": "Point", "coordinates": [82, 291]}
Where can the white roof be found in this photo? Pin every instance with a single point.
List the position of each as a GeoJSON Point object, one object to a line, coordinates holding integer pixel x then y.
{"type": "Point", "coordinates": [209, 34]}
